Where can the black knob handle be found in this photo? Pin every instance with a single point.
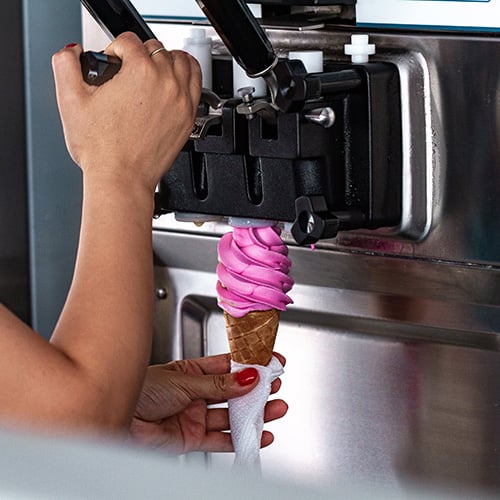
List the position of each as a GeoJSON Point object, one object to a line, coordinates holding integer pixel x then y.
{"type": "Point", "coordinates": [313, 221]}
{"type": "Point", "coordinates": [98, 68]}
{"type": "Point", "coordinates": [241, 33]}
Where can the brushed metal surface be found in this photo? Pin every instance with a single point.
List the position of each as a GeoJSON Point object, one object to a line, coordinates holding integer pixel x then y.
{"type": "Point", "coordinates": [452, 143]}
{"type": "Point", "coordinates": [393, 340]}
{"type": "Point", "coordinates": [393, 372]}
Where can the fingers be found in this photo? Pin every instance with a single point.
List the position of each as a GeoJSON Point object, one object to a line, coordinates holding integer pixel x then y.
{"type": "Point", "coordinates": [68, 72]}
{"type": "Point", "coordinates": [159, 55]}
{"type": "Point", "coordinates": [218, 418]}
{"type": "Point", "coordinates": [275, 386]}
{"type": "Point", "coordinates": [216, 442]}
{"type": "Point", "coordinates": [127, 46]}
{"type": "Point", "coordinates": [220, 442]}
{"type": "Point", "coordinates": [187, 66]}
{"type": "Point", "coordinates": [209, 365]}
{"type": "Point", "coordinates": [280, 357]}
{"type": "Point", "coordinates": [217, 388]}
{"type": "Point", "coordinates": [222, 385]}
{"type": "Point", "coordinates": [267, 439]}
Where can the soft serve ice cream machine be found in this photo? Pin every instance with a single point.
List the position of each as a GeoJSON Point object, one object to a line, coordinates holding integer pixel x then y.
{"type": "Point", "coordinates": [369, 131]}
{"type": "Point", "coordinates": [321, 151]}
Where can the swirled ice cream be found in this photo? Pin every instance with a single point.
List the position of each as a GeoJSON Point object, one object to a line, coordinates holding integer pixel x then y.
{"type": "Point", "coordinates": [252, 289]}
{"type": "Point", "coordinates": [253, 271]}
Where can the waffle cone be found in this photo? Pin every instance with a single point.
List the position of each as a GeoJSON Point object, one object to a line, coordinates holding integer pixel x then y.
{"type": "Point", "coordinates": [251, 338]}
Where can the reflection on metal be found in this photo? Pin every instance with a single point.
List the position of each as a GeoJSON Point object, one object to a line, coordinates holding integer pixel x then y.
{"type": "Point", "coordinates": [390, 377]}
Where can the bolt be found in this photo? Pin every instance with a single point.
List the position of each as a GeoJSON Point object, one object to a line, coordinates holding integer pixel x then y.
{"type": "Point", "coordinates": [246, 94]}
{"type": "Point", "coordinates": [322, 116]}
{"type": "Point", "coordinates": [161, 293]}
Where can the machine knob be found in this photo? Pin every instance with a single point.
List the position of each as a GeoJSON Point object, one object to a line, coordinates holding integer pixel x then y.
{"type": "Point", "coordinates": [313, 220]}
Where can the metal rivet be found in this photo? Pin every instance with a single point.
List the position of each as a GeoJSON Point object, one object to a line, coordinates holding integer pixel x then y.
{"type": "Point", "coordinates": [161, 293]}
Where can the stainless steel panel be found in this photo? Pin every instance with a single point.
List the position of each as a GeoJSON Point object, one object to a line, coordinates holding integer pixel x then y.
{"type": "Point", "coordinates": [463, 299]}
{"type": "Point", "coordinates": [390, 378]}
{"type": "Point", "coordinates": [453, 142]}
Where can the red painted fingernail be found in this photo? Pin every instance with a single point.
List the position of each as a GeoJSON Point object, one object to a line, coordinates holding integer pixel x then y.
{"type": "Point", "coordinates": [247, 376]}
{"type": "Point", "coordinates": [70, 45]}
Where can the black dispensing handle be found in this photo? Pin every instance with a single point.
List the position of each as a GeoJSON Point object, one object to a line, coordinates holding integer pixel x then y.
{"type": "Point", "coordinates": [118, 16]}
{"type": "Point", "coordinates": [115, 17]}
{"type": "Point", "coordinates": [241, 33]}
{"type": "Point", "coordinates": [98, 68]}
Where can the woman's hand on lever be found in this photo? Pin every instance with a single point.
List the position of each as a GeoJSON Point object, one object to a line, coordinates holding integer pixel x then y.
{"type": "Point", "coordinates": [133, 126]}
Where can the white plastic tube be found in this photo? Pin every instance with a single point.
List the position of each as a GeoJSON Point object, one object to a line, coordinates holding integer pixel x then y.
{"type": "Point", "coordinates": [312, 59]}
{"type": "Point", "coordinates": [241, 79]}
{"type": "Point", "coordinates": [200, 46]}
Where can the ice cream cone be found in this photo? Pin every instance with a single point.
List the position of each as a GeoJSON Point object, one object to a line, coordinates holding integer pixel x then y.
{"type": "Point", "coordinates": [251, 337]}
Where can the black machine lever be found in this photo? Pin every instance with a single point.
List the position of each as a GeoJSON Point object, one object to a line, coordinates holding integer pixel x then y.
{"type": "Point", "coordinates": [242, 34]}
{"type": "Point", "coordinates": [118, 16]}
{"type": "Point", "coordinates": [289, 84]}
{"type": "Point", "coordinates": [114, 17]}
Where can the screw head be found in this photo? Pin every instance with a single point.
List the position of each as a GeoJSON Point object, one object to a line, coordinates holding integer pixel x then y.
{"type": "Point", "coordinates": [246, 93]}
{"type": "Point", "coordinates": [161, 293]}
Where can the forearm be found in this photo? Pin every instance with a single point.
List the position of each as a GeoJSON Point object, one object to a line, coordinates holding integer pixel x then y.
{"type": "Point", "coordinates": [124, 135]}
{"type": "Point", "coordinates": [106, 325]}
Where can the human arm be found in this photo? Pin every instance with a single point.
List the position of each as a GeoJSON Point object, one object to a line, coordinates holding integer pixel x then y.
{"type": "Point", "coordinates": [124, 135]}
{"type": "Point", "coordinates": [173, 412]}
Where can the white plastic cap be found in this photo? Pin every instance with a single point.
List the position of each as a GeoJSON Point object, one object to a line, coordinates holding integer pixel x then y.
{"type": "Point", "coordinates": [359, 49]}
{"type": "Point", "coordinates": [197, 35]}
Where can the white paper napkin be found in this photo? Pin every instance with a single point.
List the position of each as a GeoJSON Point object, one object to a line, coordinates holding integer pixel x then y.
{"type": "Point", "coordinates": [246, 416]}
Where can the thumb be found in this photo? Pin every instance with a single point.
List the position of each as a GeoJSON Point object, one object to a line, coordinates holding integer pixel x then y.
{"type": "Point", "coordinates": [218, 388]}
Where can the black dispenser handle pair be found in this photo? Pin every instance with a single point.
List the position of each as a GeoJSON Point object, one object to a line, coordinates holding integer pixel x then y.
{"type": "Point", "coordinates": [290, 86]}
{"type": "Point", "coordinates": [232, 19]}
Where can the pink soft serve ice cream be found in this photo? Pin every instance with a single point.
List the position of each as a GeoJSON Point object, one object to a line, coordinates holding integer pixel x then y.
{"type": "Point", "coordinates": [252, 290]}
{"type": "Point", "coordinates": [253, 271]}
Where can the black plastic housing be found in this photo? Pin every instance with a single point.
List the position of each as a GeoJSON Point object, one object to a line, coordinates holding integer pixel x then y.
{"type": "Point", "coordinates": [350, 173]}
